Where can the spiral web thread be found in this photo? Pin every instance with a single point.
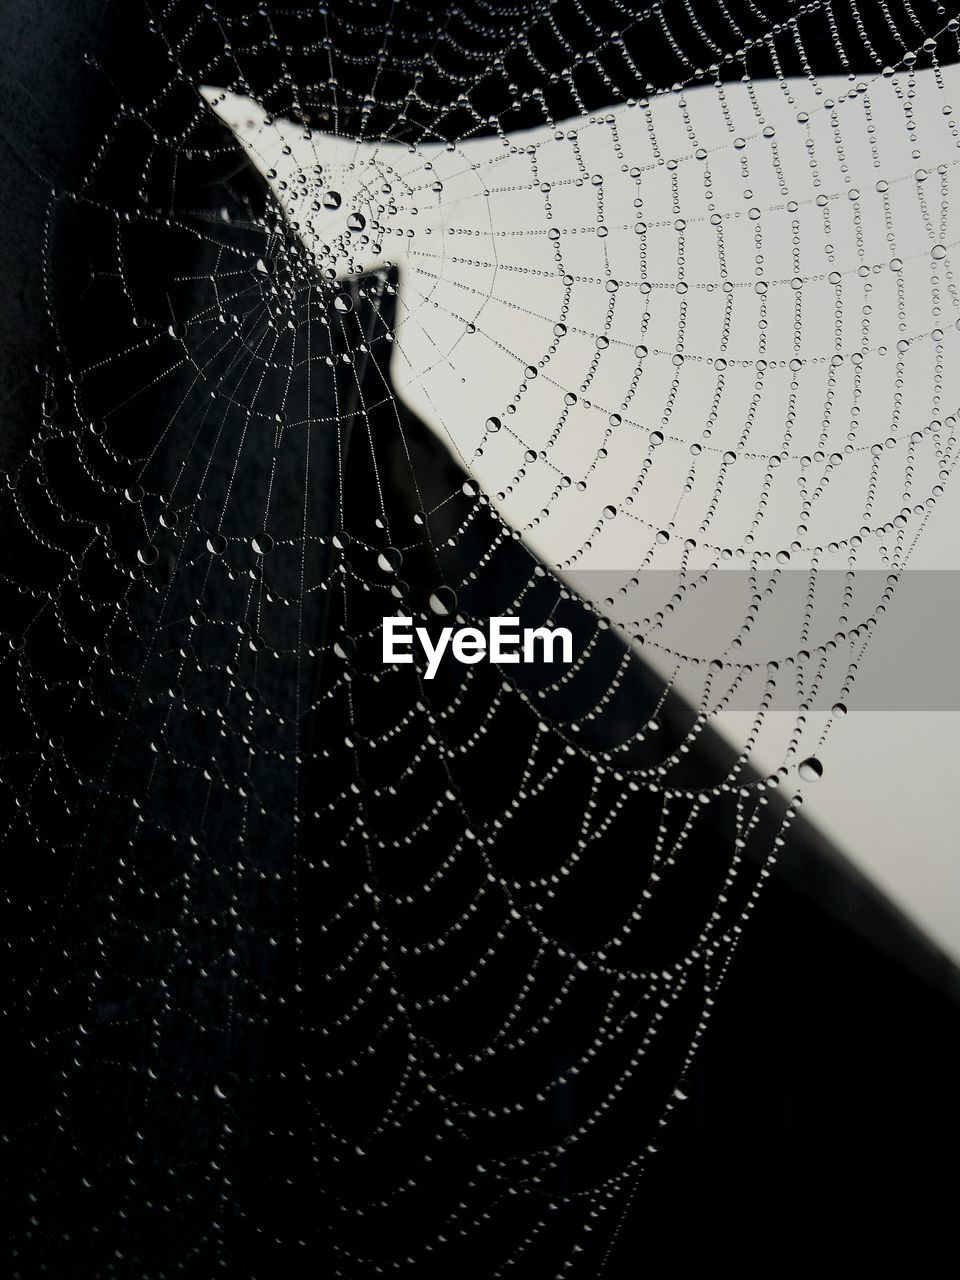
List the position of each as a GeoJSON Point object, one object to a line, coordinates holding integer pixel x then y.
{"type": "Point", "coordinates": [703, 328]}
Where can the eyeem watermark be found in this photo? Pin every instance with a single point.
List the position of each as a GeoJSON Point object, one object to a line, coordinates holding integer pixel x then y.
{"type": "Point", "coordinates": [503, 642]}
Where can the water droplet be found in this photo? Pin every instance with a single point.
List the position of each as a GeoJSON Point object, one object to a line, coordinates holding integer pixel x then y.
{"type": "Point", "coordinates": [810, 770]}
{"type": "Point", "coordinates": [443, 601]}
{"type": "Point", "coordinates": [390, 560]}
{"type": "Point", "coordinates": [332, 200]}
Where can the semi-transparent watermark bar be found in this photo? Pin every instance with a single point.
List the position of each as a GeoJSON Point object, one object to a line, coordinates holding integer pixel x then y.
{"type": "Point", "coordinates": [871, 640]}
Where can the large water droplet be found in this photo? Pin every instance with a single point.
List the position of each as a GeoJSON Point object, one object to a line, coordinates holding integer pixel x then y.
{"type": "Point", "coordinates": [443, 601]}
{"type": "Point", "coordinates": [810, 770]}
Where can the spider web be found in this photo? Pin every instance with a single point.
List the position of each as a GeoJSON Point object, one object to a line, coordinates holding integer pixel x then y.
{"type": "Point", "coordinates": [350, 318]}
